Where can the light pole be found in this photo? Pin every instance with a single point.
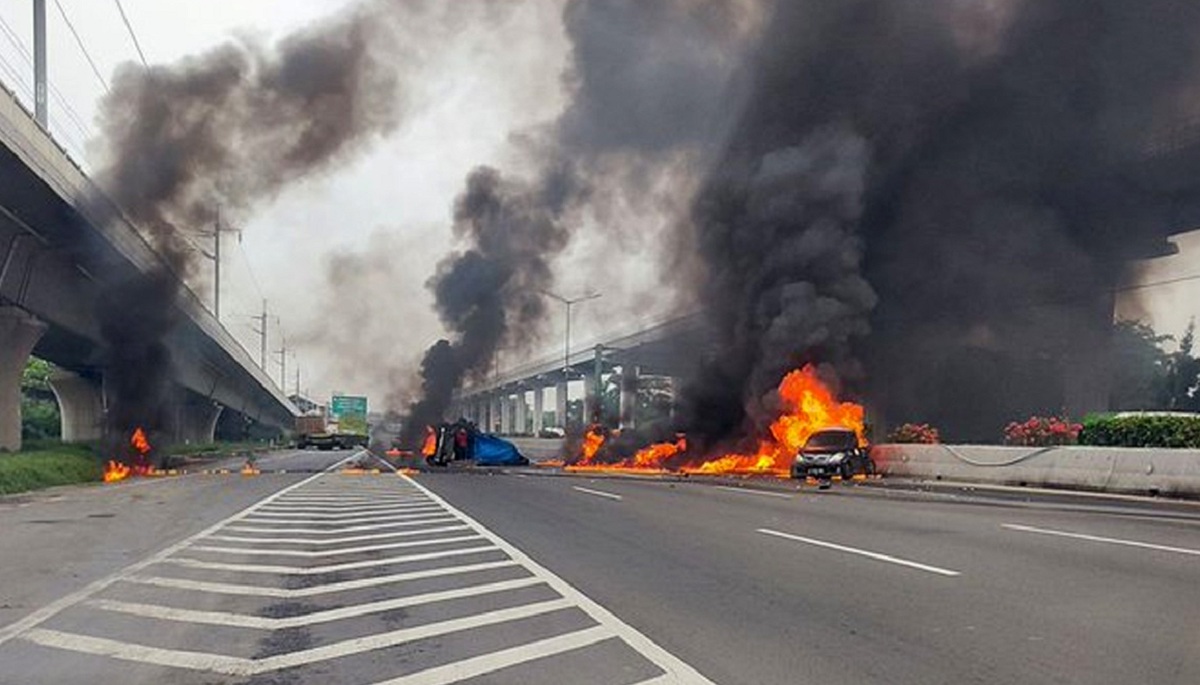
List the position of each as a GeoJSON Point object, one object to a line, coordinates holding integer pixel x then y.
{"type": "Point", "coordinates": [569, 302]}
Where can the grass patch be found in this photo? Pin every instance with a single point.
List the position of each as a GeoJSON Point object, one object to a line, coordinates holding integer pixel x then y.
{"type": "Point", "coordinates": [47, 467]}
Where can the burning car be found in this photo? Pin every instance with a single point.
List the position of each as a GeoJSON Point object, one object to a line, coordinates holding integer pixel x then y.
{"type": "Point", "coordinates": [832, 452]}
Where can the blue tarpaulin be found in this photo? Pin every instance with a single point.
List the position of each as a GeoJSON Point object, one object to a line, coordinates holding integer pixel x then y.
{"type": "Point", "coordinates": [492, 451]}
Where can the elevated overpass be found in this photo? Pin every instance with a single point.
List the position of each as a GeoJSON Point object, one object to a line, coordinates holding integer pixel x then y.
{"type": "Point", "coordinates": [502, 403]}
{"type": "Point", "coordinates": [62, 246]}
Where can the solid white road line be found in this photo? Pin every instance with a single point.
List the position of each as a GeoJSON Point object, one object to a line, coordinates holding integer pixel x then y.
{"type": "Point", "coordinates": [48, 611]}
{"type": "Point", "coordinates": [334, 541]}
{"type": "Point", "coordinates": [435, 518]}
{"type": "Point", "coordinates": [312, 554]}
{"type": "Point", "coordinates": [748, 491]}
{"type": "Point", "coordinates": [334, 517]}
{"type": "Point", "coordinates": [224, 618]}
{"type": "Point", "coordinates": [681, 673]}
{"type": "Point", "coordinates": [323, 522]}
{"type": "Point", "coordinates": [1097, 538]}
{"type": "Point", "coordinates": [597, 493]}
{"type": "Point", "coordinates": [860, 552]}
{"type": "Point", "coordinates": [237, 666]}
{"type": "Point", "coordinates": [358, 509]}
{"type": "Point", "coordinates": [317, 570]}
{"type": "Point", "coordinates": [489, 663]}
{"type": "Point", "coordinates": [328, 588]}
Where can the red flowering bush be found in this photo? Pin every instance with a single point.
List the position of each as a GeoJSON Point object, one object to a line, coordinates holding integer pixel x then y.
{"type": "Point", "coordinates": [915, 433]}
{"type": "Point", "coordinates": [1041, 431]}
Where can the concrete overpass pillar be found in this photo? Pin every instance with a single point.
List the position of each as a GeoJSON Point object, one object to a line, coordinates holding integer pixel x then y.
{"type": "Point", "coordinates": [591, 401]}
{"type": "Point", "coordinates": [481, 413]}
{"type": "Point", "coordinates": [522, 414]}
{"type": "Point", "coordinates": [81, 404]}
{"type": "Point", "coordinates": [196, 421]}
{"type": "Point", "coordinates": [496, 413]}
{"type": "Point", "coordinates": [19, 333]}
{"type": "Point", "coordinates": [629, 395]}
{"type": "Point", "coordinates": [506, 415]}
{"type": "Point", "coordinates": [560, 404]}
{"type": "Point", "coordinates": [539, 409]}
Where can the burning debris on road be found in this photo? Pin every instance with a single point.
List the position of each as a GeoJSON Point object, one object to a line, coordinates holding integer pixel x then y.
{"type": "Point", "coordinates": [804, 404]}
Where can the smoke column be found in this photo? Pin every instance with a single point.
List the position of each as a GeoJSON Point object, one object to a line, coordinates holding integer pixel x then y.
{"type": "Point", "coordinates": [932, 199]}
{"type": "Point", "coordinates": [230, 128]}
{"type": "Point", "coordinates": [647, 84]}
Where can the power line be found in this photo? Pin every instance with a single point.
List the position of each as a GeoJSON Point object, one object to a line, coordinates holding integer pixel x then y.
{"type": "Point", "coordinates": [82, 48]}
{"type": "Point", "coordinates": [132, 34]}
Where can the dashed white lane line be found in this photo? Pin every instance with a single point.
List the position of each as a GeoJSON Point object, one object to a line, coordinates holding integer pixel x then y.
{"type": "Point", "coordinates": [318, 570]}
{"type": "Point", "coordinates": [680, 673]}
{"type": "Point", "coordinates": [861, 552]}
{"type": "Point", "coordinates": [329, 588]}
{"type": "Point", "coordinates": [335, 541]}
{"type": "Point", "coordinates": [239, 666]}
{"type": "Point", "coordinates": [494, 661]}
{"type": "Point", "coordinates": [225, 618]}
{"type": "Point", "coordinates": [598, 493]}
{"type": "Point", "coordinates": [748, 491]}
{"type": "Point", "coordinates": [1105, 540]}
{"type": "Point", "coordinates": [433, 518]}
{"type": "Point", "coordinates": [47, 612]}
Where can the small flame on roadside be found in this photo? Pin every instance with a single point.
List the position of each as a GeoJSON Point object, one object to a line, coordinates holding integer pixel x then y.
{"type": "Point", "coordinates": [429, 448]}
{"type": "Point", "coordinates": [116, 471]}
{"type": "Point", "coordinates": [808, 406]}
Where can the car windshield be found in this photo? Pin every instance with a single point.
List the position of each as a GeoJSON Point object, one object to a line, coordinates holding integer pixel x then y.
{"type": "Point", "coordinates": [834, 439]}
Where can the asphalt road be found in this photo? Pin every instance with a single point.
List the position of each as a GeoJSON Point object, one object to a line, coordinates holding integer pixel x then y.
{"type": "Point", "coordinates": [524, 577]}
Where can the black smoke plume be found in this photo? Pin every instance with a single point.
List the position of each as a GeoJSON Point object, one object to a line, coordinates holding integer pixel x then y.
{"type": "Point", "coordinates": [225, 131]}
{"type": "Point", "coordinates": [490, 294]}
{"type": "Point", "coordinates": [646, 82]}
{"type": "Point", "coordinates": [935, 200]}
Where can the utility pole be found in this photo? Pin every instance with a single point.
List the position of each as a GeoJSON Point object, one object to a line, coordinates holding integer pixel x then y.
{"type": "Point", "coordinates": [41, 109]}
{"type": "Point", "coordinates": [217, 267]}
{"type": "Point", "coordinates": [297, 378]}
{"type": "Point", "coordinates": [262, 336]}
{"type": "Point", "coordinates": [282, 352]}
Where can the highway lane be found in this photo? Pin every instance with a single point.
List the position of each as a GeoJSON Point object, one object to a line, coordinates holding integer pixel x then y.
{"type": "Point", "coordinates": [520, 577]}
{"type": "Point", "coordinates": [774, 585]}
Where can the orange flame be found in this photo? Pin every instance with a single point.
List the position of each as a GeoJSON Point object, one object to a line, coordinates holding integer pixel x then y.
{"type": "Point", "coordinates": [808, 406]}
{"type": "Point", "coordinates": [429, 448]}
{"type": "Point", "coordinates": [593, 440]}
{"type": "Point", "coordinates": [139, 442]}
{"type": "Point", "coordinates": [116, 471]}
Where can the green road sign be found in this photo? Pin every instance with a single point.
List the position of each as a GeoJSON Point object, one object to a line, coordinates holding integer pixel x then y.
{"type": "Point", "coordinates": [348, 405]}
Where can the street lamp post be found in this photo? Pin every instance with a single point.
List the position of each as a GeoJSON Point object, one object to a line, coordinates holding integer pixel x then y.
{"type": "Point", "coordinates": [569, 302]}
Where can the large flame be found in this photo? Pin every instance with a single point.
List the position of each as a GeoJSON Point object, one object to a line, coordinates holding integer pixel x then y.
{"type": "Point", "coordinates": [116, 471]}
{"type": "Point", "coordinates": [429, 448]}
{"type": "Point", "coordinates": [808, 405]}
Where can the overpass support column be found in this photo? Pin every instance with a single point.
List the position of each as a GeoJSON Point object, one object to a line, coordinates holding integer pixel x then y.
{"type": "Point", "coordinates": [629, 395]}
{"type": "Point", "coordinates": [560, 404]}
{"type": "Point", "coordinates": [19, 333]}
{"type": "Point", "coordinates": [495, 417]}
{"type": "Point", "coordinates": [196, 421]}
{"type": "Point", "coordinates": [539, 409]}
{"type": "Point", "coordinates": [506, 414]}
{"type": "Point", "coordinates": [522, 414]}
{"type": "Point", "coordinates": [481, 413]}
{"type": "Point", "coordinates": [81, 403]}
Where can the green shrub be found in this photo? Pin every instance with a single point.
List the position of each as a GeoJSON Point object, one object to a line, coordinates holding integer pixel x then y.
{"type": "Point", "coordinates": [63, 465]}
{"type": "Point", "coordinates": [1142, 430]}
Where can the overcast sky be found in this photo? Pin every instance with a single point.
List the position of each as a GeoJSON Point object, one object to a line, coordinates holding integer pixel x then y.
{"type": "Point", "coordinates": [387, 213]}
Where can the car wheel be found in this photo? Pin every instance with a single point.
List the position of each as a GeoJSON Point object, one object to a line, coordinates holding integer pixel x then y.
{"type": "Point", "coordinates": [847, 472]}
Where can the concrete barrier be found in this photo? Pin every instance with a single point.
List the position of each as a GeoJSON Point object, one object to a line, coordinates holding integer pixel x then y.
{"type": "Point", "coordinates": [1143, 471]}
